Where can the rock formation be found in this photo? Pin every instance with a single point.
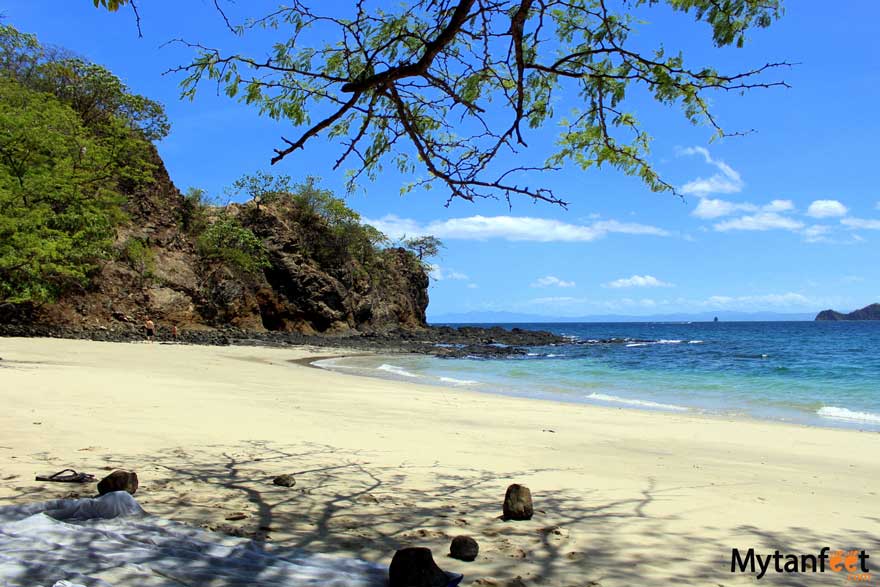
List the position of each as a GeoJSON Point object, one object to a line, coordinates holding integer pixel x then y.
{"type": "Point", "coordinates": [871, 312]}
{"type": "Point", "coordinates": [297, 292]}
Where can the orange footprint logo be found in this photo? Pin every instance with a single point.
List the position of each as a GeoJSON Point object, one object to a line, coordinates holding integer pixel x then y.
{"type": "Point", "coordinates": [835, 561]}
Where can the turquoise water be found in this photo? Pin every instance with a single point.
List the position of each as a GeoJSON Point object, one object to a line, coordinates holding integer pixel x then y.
{"type": "Point", "coordinates": [817, 373]}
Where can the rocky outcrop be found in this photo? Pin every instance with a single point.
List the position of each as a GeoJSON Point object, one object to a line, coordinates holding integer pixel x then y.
{"type": "Point", "coordinates": [871, 312]}
{"type": "Point", "coordinates": [174, 285]}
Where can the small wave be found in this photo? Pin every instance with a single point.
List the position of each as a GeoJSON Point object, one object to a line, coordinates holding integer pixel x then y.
{"type": "Point", "coordinates": [836, 413]}
{"type": "Point", "coordinates": [639, 344]}
{"type": "Point", "coordinates": [635, 402]}
{"type": "Point", "coordinates": [454, 381]}
{"type": "Point", "coordinates": [695, 342]}
{"type": "Point", "coordinates": [396, 370]}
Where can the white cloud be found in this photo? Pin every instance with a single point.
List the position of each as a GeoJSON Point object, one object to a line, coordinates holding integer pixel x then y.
{"type": "Point", "coordinates": [826, 209]}
{"type": "Point", "coordinates": [552, 281]}
{"type": "Point", "coordinates": [472, 286]}
{"type": "Point", "coordinates": [786, 299]}
{"type": "Point", "coordinates": [438, 273]}
{"type": "Point", "coordinates": [512, 228]}
{"type": "Point", "coordinates": [727, 181]}
{"type": "Point", "coordinates": [760, 221]}
{"type": "Point", "coordinates": [863, 223]}
{"type": "Point", "coordinates": [637, 281]}
{"type": "Point", "coordinates": [816, 233]}
{"type": "Point", "coordinates": [779, 206]}
{"type": "Point", "coordinates": [710, 208]}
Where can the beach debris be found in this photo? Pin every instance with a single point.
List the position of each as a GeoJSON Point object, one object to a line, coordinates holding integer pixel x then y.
{"type": "Point", "coordinates": [464, 548]}
{"type": "Point", "coordinates": [67, 476]}
{"type": "Point", "coordinates": [236, 516]}
{"type": "Point", "coordinates": [118, 480]}
{"type": "Point", "coordinates": [415, 567]}
{"type": "Point", "coordinates": [284, 480]}
{"type": "Point", "coordinates": [518, 503]}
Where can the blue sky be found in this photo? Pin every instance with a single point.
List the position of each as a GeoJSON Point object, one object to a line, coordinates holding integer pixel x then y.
{"type": "Point", "coordinates": [786, 219]}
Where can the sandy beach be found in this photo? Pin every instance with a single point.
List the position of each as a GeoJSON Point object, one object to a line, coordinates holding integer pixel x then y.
{"type": "Point", "coordinates": [622, 497]}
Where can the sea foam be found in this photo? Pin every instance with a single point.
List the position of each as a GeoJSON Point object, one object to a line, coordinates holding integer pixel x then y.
{"type": "Point", "coordinates": [635, 402]}
{"type": "Point", "coordinates": [394, 369]}
{"type": "Point", "coordinates": [454, 381]}
{"type": "Point", "coordinates": [835, 413]}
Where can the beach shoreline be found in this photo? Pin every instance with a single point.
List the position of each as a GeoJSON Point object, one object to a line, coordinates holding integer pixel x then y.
{"type": "Point", "coordinates": [622, 496]}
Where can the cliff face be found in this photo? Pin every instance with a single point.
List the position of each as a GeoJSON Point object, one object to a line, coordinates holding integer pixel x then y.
{"type": "Point", "coordinates": [296, 292]}
{"type": "Point", "coordinates": [871, 312]}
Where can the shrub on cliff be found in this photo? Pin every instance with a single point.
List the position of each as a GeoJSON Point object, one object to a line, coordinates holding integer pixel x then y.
{"type": "Point", "coordinates": [234, 245]}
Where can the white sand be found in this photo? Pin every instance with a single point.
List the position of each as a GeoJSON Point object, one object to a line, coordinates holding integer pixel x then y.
{"type": "Point", "coordinates": [622, 497]}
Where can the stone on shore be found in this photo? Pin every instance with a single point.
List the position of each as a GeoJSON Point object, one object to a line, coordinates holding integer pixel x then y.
{"type": "Point", "coordinates": [464, 548]}
{"type": "Point", "coordinates": [118, 481]}
{"type": "Point", "coordinates": [518, 503]}
{"type": "Point", "coordinates": [415, 567]}
{"type": "Point", "coordinates": [284, 480]}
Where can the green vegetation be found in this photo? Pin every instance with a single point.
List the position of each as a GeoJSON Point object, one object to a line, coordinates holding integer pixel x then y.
{"type": "Point", "coordinates": [331, 231]}
{"type": "Point", "coordinates": [227, 241]}
{"type": "Point", "coordinates": [423, 247]}
{"type": "Point", "coordinates": [72, 140]}
{"type": "Point", "coordinates": [138, 254]}
{"type": "Point", "coordinates": [448, 89]}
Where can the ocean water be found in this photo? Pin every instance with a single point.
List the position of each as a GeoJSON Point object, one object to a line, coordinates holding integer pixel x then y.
{"type": "Point", "coordinates": [815, 373]}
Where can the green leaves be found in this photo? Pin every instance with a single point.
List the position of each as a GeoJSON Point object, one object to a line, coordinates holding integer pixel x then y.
{"type": "Point", "coordinates": [226, 240]}
{"type": "Point", "coordinates": [70, 136]}
{"type": "Point", "coordinates": [448, 91]}
{"type": "Point", "coordinates": [58, 205]}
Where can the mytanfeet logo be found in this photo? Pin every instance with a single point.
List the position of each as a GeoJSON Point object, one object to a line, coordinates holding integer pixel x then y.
{"type": "Point", "coordinates": [852, 564]}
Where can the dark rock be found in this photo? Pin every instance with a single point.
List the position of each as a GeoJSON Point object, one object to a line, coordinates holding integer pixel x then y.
{"type": "Point", "coordinates": [871, 312]}
{"type": "Point", "coordinates": [118, 481]}
{"type": "Point", "coordinates": [284, 480]}
{"type": "Point", "coordinates": [415, 567]}
{"type": "Point", "coordinates": [518, 503]}
{"type": "Point", "coordinates": [464, 548]}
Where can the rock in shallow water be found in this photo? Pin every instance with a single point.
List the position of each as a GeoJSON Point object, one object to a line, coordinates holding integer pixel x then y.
{"type": "Point", "coordinates": [464, 548]}
{"type": "Point", "coordinates": [118, 481]}
{"type": "Point", "coordinates": [518, 503]}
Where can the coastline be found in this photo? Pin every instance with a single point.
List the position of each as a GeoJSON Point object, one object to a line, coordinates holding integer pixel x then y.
{"type": "Point", "coordinates": [388, 370]}
{"type": "Point", "coordinates": [622, 496]}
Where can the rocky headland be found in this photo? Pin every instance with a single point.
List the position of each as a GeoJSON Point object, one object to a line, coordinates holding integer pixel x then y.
{"type": "Point", "coordinates": [871, 312]}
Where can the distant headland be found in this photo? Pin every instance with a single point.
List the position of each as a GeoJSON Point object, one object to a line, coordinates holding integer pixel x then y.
{"type": "Point", "coordinates": [871, 312]}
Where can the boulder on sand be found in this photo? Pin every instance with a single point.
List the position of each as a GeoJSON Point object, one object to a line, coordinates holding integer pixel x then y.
{"type": "Point", "coordinates": [464, 548]}
{"type": "Point", "coordinates": [518, 503]}
{"type": "Point", "coordinates": [284, 480]}
{"type": "Point", "coordinates": [415, 567]}
{"type": "Point", "coordinates": [118, 481]}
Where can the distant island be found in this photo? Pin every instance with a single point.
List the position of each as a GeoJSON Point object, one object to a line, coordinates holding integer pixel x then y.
{"type": "Point", "coordinates": [871, 312]}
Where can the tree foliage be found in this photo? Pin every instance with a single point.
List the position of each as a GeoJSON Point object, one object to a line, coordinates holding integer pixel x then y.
{"type": "Point", "coordinates": [226, 240]}
{"type": "Point", "coordinates": [423, 247]}
{"type": "Point", "coordinates": [261, 187]}
{"type": "Point", "coordinates": [58, 205]}
{"type": "Point", "coordinates": [449, 87]}
{"type": "Point", "coordinates": [100, 98]}
{"type": "Point", "coordinates": [70, 136]}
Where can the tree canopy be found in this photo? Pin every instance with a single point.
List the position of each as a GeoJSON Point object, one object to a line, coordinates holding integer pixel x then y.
{"type": "Point", "coordinates": [70, 135]}
{"type": "Point", "coordinates": [443, 89]}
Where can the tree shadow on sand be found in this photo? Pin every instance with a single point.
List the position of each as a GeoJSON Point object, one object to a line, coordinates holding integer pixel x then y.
{"type": "Point", "coordinates": [344, 504]}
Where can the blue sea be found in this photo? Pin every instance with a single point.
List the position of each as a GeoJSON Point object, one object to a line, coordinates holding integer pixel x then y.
{"type": "Point", "coordinates": [815, 373]}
